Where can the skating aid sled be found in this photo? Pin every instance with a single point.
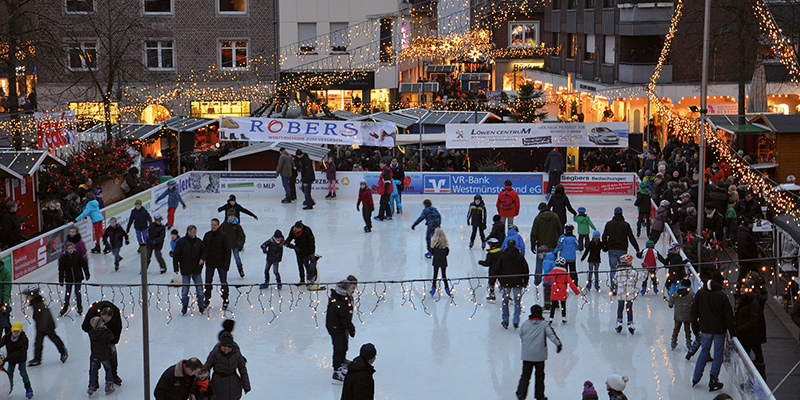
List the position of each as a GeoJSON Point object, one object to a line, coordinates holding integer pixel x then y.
{"type": "Point", "coordinates": [312, 281]}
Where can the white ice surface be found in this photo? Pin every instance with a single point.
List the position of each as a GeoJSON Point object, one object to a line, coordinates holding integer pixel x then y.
{"type": "Point", "coordinates": [430, 349]}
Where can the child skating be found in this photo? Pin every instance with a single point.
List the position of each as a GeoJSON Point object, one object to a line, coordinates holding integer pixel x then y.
{"type": "Point", "coordinates": [681, 302]}
{"type": "Point", "coordinates": [492, 256]}
{"type": "Point", "coordinates": [394, 199]}
{"type": "Point", "coordinates": [100, 340]}
{"type": "Point", "coordinates": [113, 238]}
{"type": "Point", "coordinates": [627, 290]}
{"type": "Point", "coordinates": [585, 226]}
{"type": "Point", "coordinates": [649, 256]}
{"type": "Point", "coordinates": [366, 204]}
{"type": "Point", "coordinates": [568, 249]}
{"type": "Point", "coordinates": [140, 219]}
{"type": "Point", "coordinates": [643, 205]}
{"type": "Point", "coordinates": [273, 248]}
{"type": "Point", "coordinates": [174, 236]}
{"type": "Point", "coordinates": [560, 283]}
{"type": "Point", "coordinates": [593, 249]}
{"type": "Point", "coordinates": [92, 211]}
{"type": "Point", "coordinates": [16, 344]}
{"type": "Point", "coordinates": [440, 248]}
{"type": "Point", "coordinates": [476, 216]}
{"type": "Point", "coordinates": [173, 199]}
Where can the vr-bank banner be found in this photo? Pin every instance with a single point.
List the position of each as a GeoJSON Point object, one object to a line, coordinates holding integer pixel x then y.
{"type": "Point", "coordinates": [594, 134]}
{"type": "Point", "coordinates": [360, 133]}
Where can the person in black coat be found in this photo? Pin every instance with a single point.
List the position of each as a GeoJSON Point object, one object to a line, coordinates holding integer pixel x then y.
{"type": "Point", "coordinates": [230, 377]}
{"type": "Point", "coordinates": [112, 319]}
{"type": "Point", "coordinates": [476, 216]}
{"type": "Point", "coordinates": [559, 204]}
{"type": "Point", "coordinates": [306, 179]}
{"type": "Point", "coordinates": [140, 219]}
{"type": "Point", "coordinates": [10, 233]}
{"type": "Point", "coordinates": [714, 222]}
{"type": "Point", "coordinates": [554, 165]}
{"type": "Point", "coordinates": [712, 310]}
{"type": "Point", "coordinates": [305, 248]}
{"type": "Point", "coordinates": [359, 383]}
{"type": "Point", "coordinates": [492, 256]}
{"type": "Point", "coordinates": [339, 323]}
{"type": "Point", "coordinates": [100, 343]}
{"type": "Point", "coordinates": [749, 207]}
{"type": "Point", "coordinates": [513, 270]}
{"type": "Point", "coordinates": [218, 258]}
{"type": "Point", "coordinates": [72, 270]}
{"type": "Point", "coordinates": [498, 229]}
{"type": "Point", "coordinates": [236, 207]}
{"type": "Point", "coordinates": [45, 327]}
{"type": "Point", "coordinates": [156, 233]}
{"type": "Point", "coordinates": [176, 382]}
{"type": "Point", "coordinates": [751, 327]}
{"type": "Point", "coordinates": [188, 259]}
{"type": "Point", "coordinates": [52, 216]}
{"type": "Point", "coordinates": [747, 250]}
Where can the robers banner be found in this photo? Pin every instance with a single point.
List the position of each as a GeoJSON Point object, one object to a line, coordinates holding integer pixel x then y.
{"type": "Point", "coordinates": [359, 133]}
{"type": "Point", "coordinates": [592, 134]}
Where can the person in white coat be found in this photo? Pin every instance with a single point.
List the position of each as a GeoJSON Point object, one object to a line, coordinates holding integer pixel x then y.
{"type": "Point", "coordinates": [626, 280]}
{"type": "Point", "coordinates": [534, 334]}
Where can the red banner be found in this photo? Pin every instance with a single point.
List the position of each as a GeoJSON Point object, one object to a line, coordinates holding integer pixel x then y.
{"type": "Point", "coordinates": [55, 129]}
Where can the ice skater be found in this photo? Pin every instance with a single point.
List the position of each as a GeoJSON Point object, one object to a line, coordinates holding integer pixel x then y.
{"type": "Point", "coordinates": [156, 234]}
{"type": "Point", "coordinates": [593, 249]}
{"type": "Point", "coordinates": [92, 211]}
{"type": "Point", "coordinates": [615, 384]}
{"type": "Point", "coordinates": [358, 383]}
{"type": "Point", "coordinates": [237, 208]}
{"type": "Point", "coordinates": [236, 238]}
{"type": "Point", "coordinates": [173, 199]}
{"type": "Point", "coordinates": [113, 238]}
{"type": "Point", "coordinates": [16, 344]}
{"type": "Point", "coordinates": [330, 176]}
{"type": "Point", "coordinates": [546, 261]}
{"type": "Point", "coordinates": [365, 201]}
{"type": "Point", "coordinates": [507, 204]}
{"type": "Point", "coordinates": [512, 270]}
{"type": "Point", "coordinates": [395, 205]}
{"type": "Point", "coordinates": [712, 309]}
{"type": "Point", "coordinates": [568, 249]}
{"type": "Point", "coordinates": [140, 219]}
{"type": "Point", "coordinates": [440, 248]}
{"type": "Point", "coordinates": [643, 205]}
{"type": "Point", "coordinates": [306, 179]}
{"type": "Point", "coordinates": [649, 256]}
{"type": "Point", "coordinates": [681, 301]}
{"type": "Point", "coordinates": [188, 260]}
{"type": "Point", "coordinates": [584, 225]}
{"type": "Point", "coordinates": [72, 270]}
{"type": "Point", "coordinates": [305, 248]}
{"type": "Point", "coordinates": [45, 327]}
{"type": "Point", "coordinates": [534, 335]}
{"type": "Point", "coordinates": [385, 189]}
{"type": "Point", "coordinates": [339, 323]}
{"type": "Point", "coordinates": [273, 248]}
{"type": "Point", "coordinates": [492, 255]}
{"type": "Point", "coordinates": [676, 268]}
{"type": "Point", "coordinates": [498, 229]}
{"type": "Point", "coordinates": [100, 343]}
{"type": "Point", "coordinates": [476, 216]}
{"type": "Point", "coordinates": [112, 319]}
{"type": "Point", "coordinates": [560, 283]}
{"type": "Point", "coordinates": [217, 258]}
{"type": "Point", "coordinates": [432, 219]}
{"type": "Point", "coordinates": [627, 291]}
{"type": "Point", "coordinates": [616, 236]}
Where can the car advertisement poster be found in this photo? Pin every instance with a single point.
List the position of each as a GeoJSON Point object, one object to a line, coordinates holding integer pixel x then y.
{"type": "Point", "coordinates": [599, 183]}
{"type": "Point", "coordinates": [360, 133]}
{"type": "Point", "coordinates": [591, 134]}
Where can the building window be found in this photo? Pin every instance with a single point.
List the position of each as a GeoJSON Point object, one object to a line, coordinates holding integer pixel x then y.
{"type": "Point", "coordinates": [159, 54]}
{"type": "Point", "coordinates": [80, 6]}
{"type": "Point", "coordinates": [523, 33]}
{"type": "Point", "coordinates": [557, 5]}
{"type": "Point", "coordinates": [158, 6]}
{"type": "Point", "coordinates": [232, 6]}
{"type": "Point", "coordinates": [590, 48]}
{"type": "Point", "coordinates": [572, 4]}
{"type": "Point", "coordinates": [589, 4]}
{"type": "Point", "coordinates": [556, 40]}
{"type": "Point", "coordinates": [233, 54]}
{"type": "Point", "coordinates": [573, 45]}
{"type": "Point", "coordinates": [609, 3]}
{"type": "Point", "coordinates": [608, 57]}
{"type": "Point", "coordinates": [307, 37]}
{"type": "Point", "coordinates": [89, 113]}
{"type": "Point", "coordinates": [216, 109]}
{"type": "Point", "coordinates": [82, 56]}
{"type": "Point", "coordinates": [338, 36]}
{"type": "Point", "coordinates": [386, 50]}
{"type": "Point", "coordinates": [513, 80]}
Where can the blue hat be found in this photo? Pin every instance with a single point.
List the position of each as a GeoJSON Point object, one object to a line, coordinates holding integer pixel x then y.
{"type": "Point", "coordinates": [618, 210]}
{"type": "Point", "coordinates": [171, 182]}
{"type": "Point", "coordinates": [581, 209]}
{"type": "Point", "coordinates": [596, 234]}
{"type": "Point", "coordinates": [157, 217]}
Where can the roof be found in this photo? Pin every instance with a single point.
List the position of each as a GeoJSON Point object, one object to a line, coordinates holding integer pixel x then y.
{"type": "Point", "coordinates": [456, 117]}
{"type": "Point", "coordinates": [26, 162]}
{"type": "Point", "coordinates": [345, 115]}
{"type": "Point", "coordinates": [402, 121]}
{"type": "Point", "coordinates": [440, 68]}
{"type": "Point", "coordinates": [405, 139]}
{"type": "Point", "coordinates": [789, 224]}
{"type": "Point", "coordinates": [180, 124]}
{"type": "Point", "coordinates": [128, 130]}
{"type": "Point", "coordinates": [315, 152]}
{"type": "Point", "coordinates": [743, 128]}
{"type": "Point", "coordinates": [781, 123]}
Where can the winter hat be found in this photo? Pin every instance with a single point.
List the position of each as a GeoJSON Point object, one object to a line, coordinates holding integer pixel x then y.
{"type": "Point", "coordinates": [17, 326]}
{"type": "Point", "coordinates": [226, 339]}
{"type": "Point", "coordinates": [642, 185]}
{"type": "Point", "coordinates": [536, 311]}
{"type": "Point", "coordinates": [493, 242]}
{"type": "Point", "coordinates": [171, 182]}
{"type": "Point", "coordinates": [174, 232]}
{"type": "Point", "coordinates": [664, 203]}
{"type": "Point", "coordinates": [95, 322]}
{"type": "Point", "coordinates": [158, 217]}
{"type": "Point", "coordinates": [596, 234]}
{"type": "Point", "coordinates": [650, 244]}
{"type": "Point", "coordinates": [569, 228]}
{"type": "Point", "coordinates": [496, 218]}
{"type": "Point", "coordinates": [364, 181]}
{"type": "Point", "coordinates": [618, 211]}
{"type": "Point", "coordinates": [542, 206]}
{"type": "Point", "coordinates": [232, 197]}
{"type": "Point", "coordinates": [686, 194]}
{"type": "Point", "coordinates": [674, 245]}
{"type": "Point", "coordinates": [589, 393]}
{"type": "Point", "coordinates": [617, 382]}
{"type": "Point", "coordinates": [581, 210]}
{"type": "Point", "coordinates": [227, 325]}
{"type": "Point", "coordinates": [278, 234]}
{"type": "Point", "coordinates": [507, 182]}
{"type": "Point", "coordinates": [368, 352]}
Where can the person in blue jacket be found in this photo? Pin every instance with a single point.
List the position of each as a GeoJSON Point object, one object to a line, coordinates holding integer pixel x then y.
{"type": "Point", "coordinates": [568, 248]}
{"type": "Point", "coordinates": [172, 202]}
{"type": "Point", "coordinates": [432, 219]}
{"type": "Point", "coordinates": [394, 198]}
{"type": "Point", "coordinates": [548, 263]}
{"type": "Point", "coordinates": [92, 211]}
{"type": "Point", "coordinates": [513, 234]}
{"type": "Point", "coordinates": [140, 219]}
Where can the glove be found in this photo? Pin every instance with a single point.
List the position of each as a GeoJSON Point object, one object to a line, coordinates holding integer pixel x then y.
{"type": "Point", "coordinates": [171, 253]}
{"type": "Point", "coordinates": [352, 333]}
{"type": "Point", "coordinates": [184, 207]}
{"type": "Point", "coordinates": [127, 242]}
{"type": "Point", "coordinates": [6, 309]}
{"type": "Point", "coordinates": [413, 226]}
{"type": "Point", "coordinates": [256, 220]}
{"type": "Point", "coordinates": [468, 223]}
{"type": "Point", "coordinates": [558, 349]}
{"type": "Point", "coordinates": [358, 208]}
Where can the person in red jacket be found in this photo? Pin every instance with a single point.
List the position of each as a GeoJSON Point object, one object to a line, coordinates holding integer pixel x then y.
{"type": "Point", "coordinates": [365, 197]}
{"type": "Point", "coordinates": [560, 281]}
{"type": "Point", "coordinates": [508, 204]}
{"type": "Point", "coordinates": [384, 188]}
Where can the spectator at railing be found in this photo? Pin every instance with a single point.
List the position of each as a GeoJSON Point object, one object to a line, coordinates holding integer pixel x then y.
{"type": "Point", "coordinates": [52, 216]}
{"type": "Point", "coordinates": [10, 233]}
{"type": "Point", "coordinates": [84, 189]}
{"type": "Point", "coordinates": [69, 205]}
{"type": "Point", "coordinates": [133, 181]}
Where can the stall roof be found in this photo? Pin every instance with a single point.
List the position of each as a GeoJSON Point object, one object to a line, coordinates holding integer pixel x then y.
{"type": "Point", "coordinates": [457, 117]}
{"type": "Point", "coordinates": [781, 123]}
{"type": "Point", "coordinates": [181, 124]}
{"type": "Point", "coordinates": [315, 152]}
{"type": "Point", "coordinates": [789, 224]}
{"type": "Point", "coordinates": [27, 162]}
{"type": "Point", "coordinates": [413, 138]}
{"type": "Point", "coordinates": [128, 130]}
{"type": "Point", "coordinates": [743, 128]}
{"type": "Point", "coordinates": [401, 120]}
{"type": "Point", "coordinates": [345, 115]}
{"type": "Point", "coordinates": [441, 68]}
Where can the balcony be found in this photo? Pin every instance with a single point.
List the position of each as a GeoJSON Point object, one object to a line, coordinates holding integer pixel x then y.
{"type": "Point", "coordinates": [588, 70]}
{"type": "Point", "coordinates": [644, 19]}
{"type": "Point", "coordinates": [607, 73]}
{"type": "Point", "coordinates": [641, 73]}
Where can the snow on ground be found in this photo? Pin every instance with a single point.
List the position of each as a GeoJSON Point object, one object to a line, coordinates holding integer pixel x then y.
{"type": "Point", "coordinates": [426, 347]}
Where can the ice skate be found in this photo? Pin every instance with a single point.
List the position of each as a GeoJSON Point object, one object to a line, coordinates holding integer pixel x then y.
{"type": "Point", "coordinates": [714, 384]}
{"type": "Point", "coordinates": [483, 245]}
{"type": "Point", "coordinates": [447, 292]}
{"type": "Point", "coordinates": [28, 392]}
{"type": "Point", "coordinates": [688, 344]}
{"type": "Point", "coordinates": [264, 285]}
{"type": "Point", "coordinates": [516, 325]}
{"type": "Point", "coordinates": [338, 377]}
{"type": "Point", "coordinates": [96, 249]}
{"type": "Point", "coordinates": [110, 387]}
{"type": "Point", "coordinates": [491, 297]}
{"type": "Point", "coordinates": [92, 389]}
{"type": "Point", "coordinates": [564, 321]}
{"type": "Point", "coordinates": [632, 328]}
{"type": "Point", "coordinates": [597, 286]}
{"type": "Point", "coordinates": [504, 324]}
{"type": "Point", "coordinates": [589, 286]}
{"type": "Point", "coordinates": [328, 196]}
{"type": "Point", "coordinates": [333, 197]}
{"type": "Point", "coordinates": [674, 343]}
{"type": "Point", "coordinates": [241, 272]}
{"type": "Point", "coordinates": [388, 218]}
{"type": "Point", "coordinates": [471, 243]}
{"type": "Point", "coordinates": [433, 290]}
{"type": "Point", "coordinates": [33, 363]}
{"type": "Point", "coordinates": [619, 327]}
{"type": "Point", "coordinates": [644, 290]}
{"type": "Point", "coordinates": [225, 304]}
{"type": "Point", "coordinates": [64, 357]}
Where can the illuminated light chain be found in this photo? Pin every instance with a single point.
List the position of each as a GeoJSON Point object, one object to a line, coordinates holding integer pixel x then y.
{"type": "Point", "coordinates": [474, 297]}
{"type": "Point", "coordinates": [472, 45]}
{"type": "Point", "coordinates": [781, 45]}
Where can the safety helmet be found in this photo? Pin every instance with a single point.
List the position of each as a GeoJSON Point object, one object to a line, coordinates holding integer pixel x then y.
{"type": "Point", "coordinates": [626, 258]}
{"type": "Point", "coordinates": [561, 261]}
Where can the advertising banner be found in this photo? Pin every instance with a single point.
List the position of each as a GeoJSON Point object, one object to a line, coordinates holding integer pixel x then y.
{"type": "Point", "coordinates": [38, 253]}
{"type": "Point", "coordinates": [598, 183]}
{"type": "Point", "coordinates": [55, 129]}
{"type": "Point", "coordinates": [360, 133]}
{"type": "Point", "coordinates": [594, 134]}
{"type": "Point", "coordinates": [121, 210]}
{"type": "Point", "coordinates": [412, 182]}
{"type": "Point", "coordinates": [466, 183]}
{"type": "Point", "coordinates": [255, 182]}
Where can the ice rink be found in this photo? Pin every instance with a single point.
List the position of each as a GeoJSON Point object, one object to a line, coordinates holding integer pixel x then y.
{"type": "Point", "coordinates": [427, 347]}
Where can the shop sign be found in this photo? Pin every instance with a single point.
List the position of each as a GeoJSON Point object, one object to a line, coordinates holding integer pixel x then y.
{"type": "Point", "coordinates": [521, 66]}
{"type": "Point", "coordinates": [597, 134]}
{"type": "Point", "coordinates": [248, 129]}
{"type": "Point", "coordinates": [599, 183]}
{"type": "Point", "coordinates": [723, 108]}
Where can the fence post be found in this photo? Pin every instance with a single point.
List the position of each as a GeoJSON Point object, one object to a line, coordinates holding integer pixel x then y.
{"type": "Point", "coordinates": [145, 320]}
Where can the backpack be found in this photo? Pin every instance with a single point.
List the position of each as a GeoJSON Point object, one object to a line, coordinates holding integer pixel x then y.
{"type": "Point", "coordinates": [506, 200]}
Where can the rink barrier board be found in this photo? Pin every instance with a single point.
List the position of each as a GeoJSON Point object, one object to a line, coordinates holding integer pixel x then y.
{"type": "Point", "coordinates": [749, 384]}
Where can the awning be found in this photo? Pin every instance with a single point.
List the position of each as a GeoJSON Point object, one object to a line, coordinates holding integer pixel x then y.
{"type": "Point", "coordinates": [763, 165]}
{"type": "Point", "coordinates": [473, 76]}
{"type": "Point", "coordinates": [190, 124]}
{"type": "Point", "coordinates": [315, 152]}
{"type": "Point", "coordinates": [743, 129]}
{"type": "Point", "coordinates": [441, 68]}
{"type": "Point", "coordinates": [27, 162]}
{"type": "Point", "coordinates": [413, 138]}
{"type": "Point", "coordinates": [344, 115]}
